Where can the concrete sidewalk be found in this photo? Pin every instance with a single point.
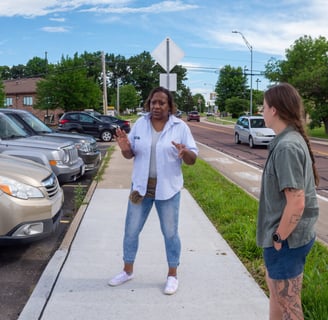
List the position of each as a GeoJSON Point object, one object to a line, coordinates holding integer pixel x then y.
{"type": "Point", "coordinates": [214, 284]}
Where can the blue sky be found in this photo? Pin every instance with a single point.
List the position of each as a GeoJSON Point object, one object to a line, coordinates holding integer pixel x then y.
{"type": "Point", "coordinates": [201, 28]}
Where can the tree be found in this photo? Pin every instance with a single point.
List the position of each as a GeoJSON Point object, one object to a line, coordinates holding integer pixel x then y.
{"type": "Point", "coordinates": [306, 68]}
{"type": "Point", "coordinates": [183, 99]}
{"type": "Point", "coordinates": [235, 106]}
{"type": "Point", "coordinates": [198, 102]}
{"type": "Point", "coordinates": [36, 67]}
{"type": "Point", "coordinates": [68, 87]}
{"type": "Point", "coordinates": [129, 98]}
{"type": "Point", "coordinates": [17, 72]}
{"type": "Point", "coordinates": [144, 73]}
{"type": "Point", "coordinates": [231, 83]}
{"type": "Point", "coordinates": [5, 73]}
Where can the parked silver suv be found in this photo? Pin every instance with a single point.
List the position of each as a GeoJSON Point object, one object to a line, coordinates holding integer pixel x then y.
{"type": "Point", "coordinates": [86, 145]}
{"type": "Point", "coordinates": [61, 157]}
{"type": "Point", "coordinates": [31, 200]}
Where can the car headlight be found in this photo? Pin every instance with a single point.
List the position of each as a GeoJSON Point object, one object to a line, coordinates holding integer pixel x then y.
{"type": "Point", "coordinates": [259, 134]}
{"type": "Point", "coordinates": [19, 190]}
{"type": "Point", "coordinates": [83, 146]}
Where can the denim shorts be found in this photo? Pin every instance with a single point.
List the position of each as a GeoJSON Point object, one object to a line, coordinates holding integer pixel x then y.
{"type": "Point", "coordinates": [286, 263]}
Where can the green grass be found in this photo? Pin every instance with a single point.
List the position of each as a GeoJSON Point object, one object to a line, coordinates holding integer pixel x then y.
{"type": "Point", "coordinates": [233, 212]}
{"type": "Point", "coordinates": [317, 133]}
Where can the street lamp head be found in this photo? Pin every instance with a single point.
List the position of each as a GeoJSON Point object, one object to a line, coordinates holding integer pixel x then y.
{"type": "Point", "coordinates": [235, 31]}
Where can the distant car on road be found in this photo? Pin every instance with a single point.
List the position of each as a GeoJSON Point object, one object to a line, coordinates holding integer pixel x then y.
{"type": "Point", "coordinates": [178, 114]}
{"type": "Point", "coordinates": [193, 116]}
{"type": "Point", "coordinates": [86, 145]}
{"type": "Point", "coordinates": [252, 130]}
{"type": "Point", "coordinates": [141, 113]}
{"type": "Point", "coordinates": [31, 200]}
{"type": "Point", "coordinates": [83, 122]}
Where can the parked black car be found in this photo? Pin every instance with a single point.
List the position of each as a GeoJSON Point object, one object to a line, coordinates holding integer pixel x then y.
{"type": "Point", "coordinates": [83, 122]}
{"type": "Point", "coordinates": [123, 124]}
{"type": "Point", "coordinates": [85, 144]}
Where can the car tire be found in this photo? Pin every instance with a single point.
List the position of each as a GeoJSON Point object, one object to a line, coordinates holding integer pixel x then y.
{"type": "Point", "coordinates": [106, 136]}
{"type": "Point", "coordinates": [74, 131]}
{"type": "Point", "coordinates": [251, 142]}
{"type": "Point", "coordinates": [237, 141]}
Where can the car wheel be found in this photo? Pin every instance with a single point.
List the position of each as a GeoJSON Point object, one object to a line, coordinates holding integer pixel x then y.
{"type": "Point", "coordinates": [237, 141]}
{"type": "Point", "coordinates": [251, 142]}
{"type": "Point", "coordinates": [106, 136]}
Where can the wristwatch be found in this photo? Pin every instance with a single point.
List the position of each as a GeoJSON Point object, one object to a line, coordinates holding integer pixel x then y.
{"type": "Point", "coordinates": [276, 237]}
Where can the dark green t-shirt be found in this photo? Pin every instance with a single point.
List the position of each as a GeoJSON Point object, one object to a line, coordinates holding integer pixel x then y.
{"type": "Point", "coordinates": [289, 165]}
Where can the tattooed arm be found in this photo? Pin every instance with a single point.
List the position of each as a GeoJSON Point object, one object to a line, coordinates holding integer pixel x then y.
{"type": "Point", "coordinates": [295, 203]}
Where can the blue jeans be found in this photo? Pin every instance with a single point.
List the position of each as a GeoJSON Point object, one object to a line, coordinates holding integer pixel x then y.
{"type": "Point", "coordinates": [168, 213]}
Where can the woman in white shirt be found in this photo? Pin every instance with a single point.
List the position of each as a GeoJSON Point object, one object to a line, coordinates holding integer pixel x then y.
{"type": "Point", "coordinates": [158, 142]}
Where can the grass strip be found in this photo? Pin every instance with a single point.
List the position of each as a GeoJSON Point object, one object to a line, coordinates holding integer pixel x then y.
{"type": "Point", "coordinates": [233, 212]}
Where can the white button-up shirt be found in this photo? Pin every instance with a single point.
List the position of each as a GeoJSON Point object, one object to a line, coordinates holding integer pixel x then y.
{"type": "Point", "coordinates": [168, 163]}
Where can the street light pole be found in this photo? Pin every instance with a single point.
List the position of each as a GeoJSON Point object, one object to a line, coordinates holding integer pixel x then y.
{"type": "Point", "coordinates": [251, 50]}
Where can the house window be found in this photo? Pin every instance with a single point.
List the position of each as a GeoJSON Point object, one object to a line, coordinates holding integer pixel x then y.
{"type": "Point", "coordinates": [28, 101]}
{"type": "Point", "coordinates": [8, 102]}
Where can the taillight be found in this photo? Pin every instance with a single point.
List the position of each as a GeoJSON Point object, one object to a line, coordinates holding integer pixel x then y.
{"type": "Point", "coordinates": [63, 121]}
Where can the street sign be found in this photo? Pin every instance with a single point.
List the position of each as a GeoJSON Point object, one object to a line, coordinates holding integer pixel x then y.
{"type": "Point", "coordinates": [172, 81]}
{"type": "Point", "coordinates": [167, 54]}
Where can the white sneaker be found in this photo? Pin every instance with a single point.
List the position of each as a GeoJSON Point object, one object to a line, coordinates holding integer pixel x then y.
{"type": "Point", "coordinates": [171, 285]}
{"type": "Point", "coordinates": [120, 279]}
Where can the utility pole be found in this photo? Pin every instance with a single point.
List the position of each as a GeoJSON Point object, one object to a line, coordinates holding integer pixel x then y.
{"type": "Point", "coordinates": [251, 50]}
{"type": "Point", "coordinates": [104, 82]}
{"type": "Point", "coordinates": [118, 97]}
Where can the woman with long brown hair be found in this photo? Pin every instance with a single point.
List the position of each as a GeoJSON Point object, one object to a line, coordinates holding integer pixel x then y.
{"type": "Point", "coordinates": [288, 208]}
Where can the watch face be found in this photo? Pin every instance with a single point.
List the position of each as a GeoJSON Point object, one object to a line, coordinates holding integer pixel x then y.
{"type": "Point", "coordinates": [276, 237]}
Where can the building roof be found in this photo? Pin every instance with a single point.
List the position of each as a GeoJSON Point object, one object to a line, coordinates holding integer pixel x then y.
{"type": "Point", "coordinates": [20, 86]}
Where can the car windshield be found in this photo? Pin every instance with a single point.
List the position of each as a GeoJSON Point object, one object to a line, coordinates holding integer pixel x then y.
{"type": "Point", "coordinates": [9, 129]}
{"type": "Point", "coordinates": [35, 123]}
{"type": "Point", "coordinates": [257, 123]}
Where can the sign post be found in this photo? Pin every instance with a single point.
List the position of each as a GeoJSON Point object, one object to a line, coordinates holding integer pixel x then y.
{"type": "Point", "coordinates": [168, 54]}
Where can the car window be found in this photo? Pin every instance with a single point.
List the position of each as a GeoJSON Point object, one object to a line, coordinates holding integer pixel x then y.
{"type": "Point", "coordinates": [86, 118]}
{"type": "Point", "coordinates": [72, 116]}
{"type": "Point", "coordinates": [35, 123]}
{"type": "Point", "coordinates": [9, 129]}
{"type": "Point", "coordinates": [257, 123]}
{"type": "Point", "coordinates": [244, 123]}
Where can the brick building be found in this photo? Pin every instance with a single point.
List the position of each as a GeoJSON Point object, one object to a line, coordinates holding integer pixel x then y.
{"type": "Point", "coordinates": [21, 94]}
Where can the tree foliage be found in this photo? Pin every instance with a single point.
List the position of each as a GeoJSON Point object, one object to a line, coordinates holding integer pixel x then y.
{"type": "Point", "coordinates": [68, 87]}
{"type": "Point", "coordinates": [128, 98]}
{"type": "Point", "coordinates": [231, 83]}
{"type": "Point", "coordinates": [306, 68]}
{"type": "Point", "coordinates": [77, 83]}
{"type": "Point", "coordinates": [184, 99]}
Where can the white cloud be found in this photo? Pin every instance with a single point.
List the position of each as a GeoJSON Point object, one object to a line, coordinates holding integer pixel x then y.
{"type": "Point", "coordinates": [57, 19]}
{"type": "Point", "coordinates": [34, 8]}
{"type": "Point", "coordinates": [55, 29]}
{"type": "Point", "coordinates": [157, 8]}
